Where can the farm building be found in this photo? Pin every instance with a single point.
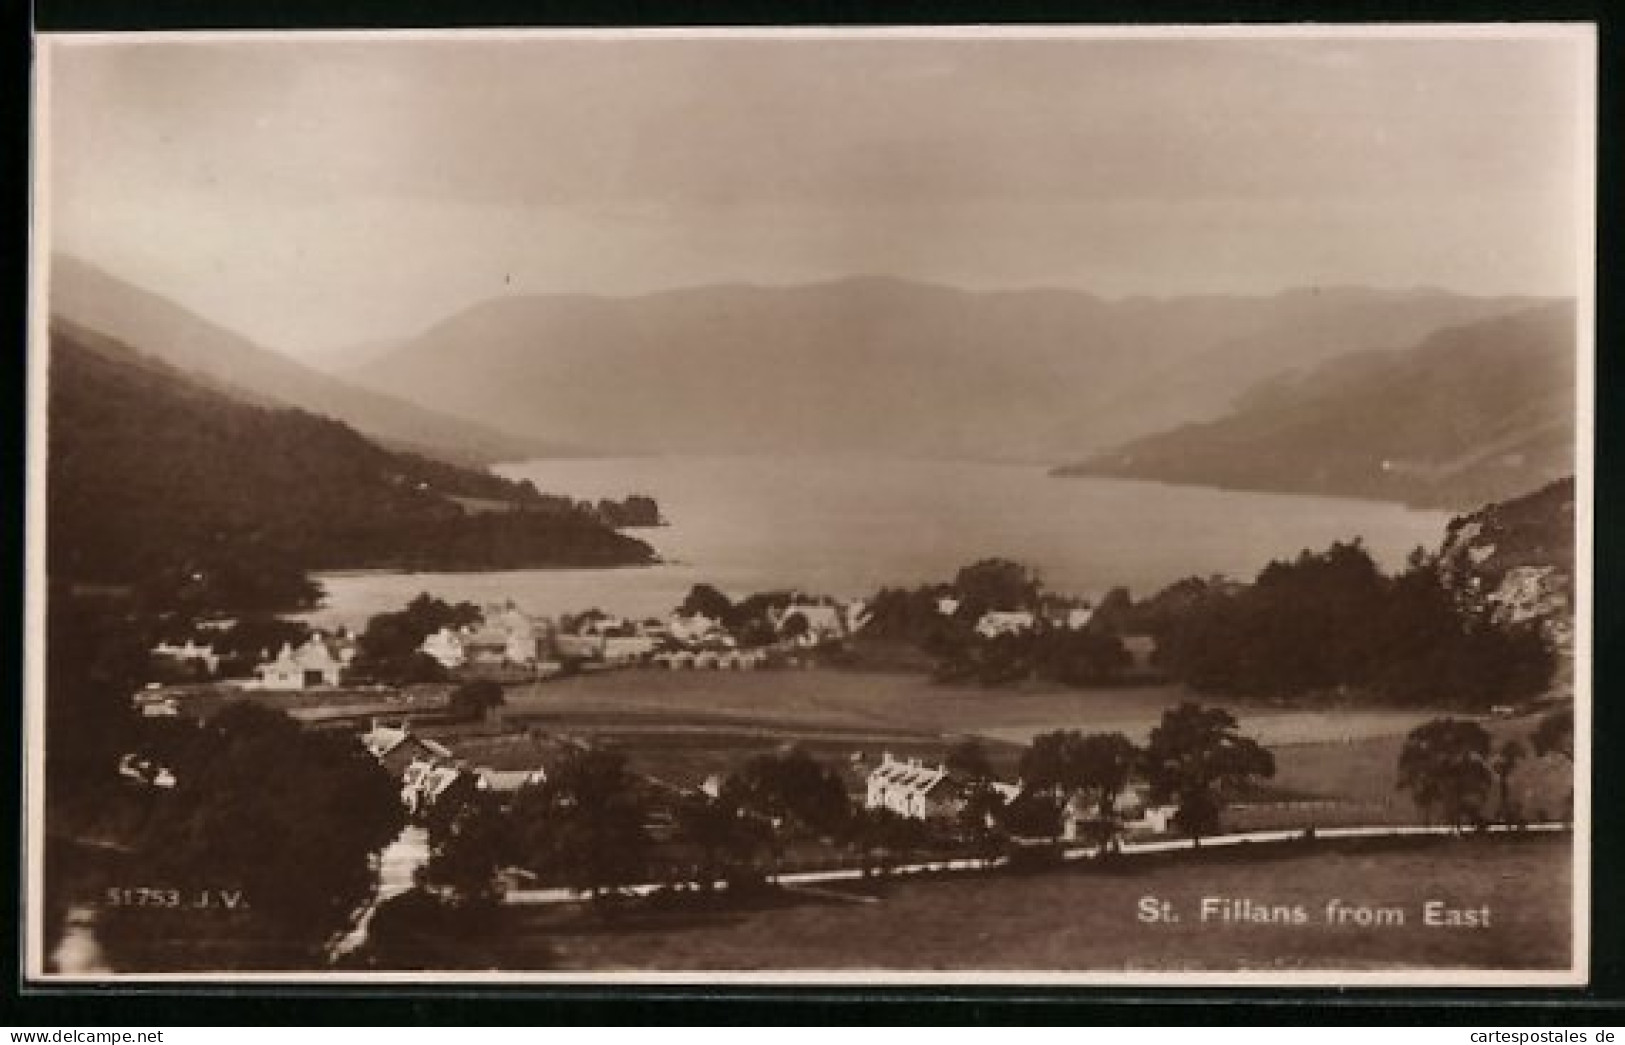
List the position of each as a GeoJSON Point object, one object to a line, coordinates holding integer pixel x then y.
{"type": "Point", "coordinates": [446, 647]}
{"type": "Point", "coordinates": [396, 748]}
{"type": "Point", "coordinates": [189, 652]}
{"type": "Point", "coordinates": [319, 662]}
{"type": "Point", "coordinates": [1134, 809]}
{"type": "Point", "coordinates": [910, 788]}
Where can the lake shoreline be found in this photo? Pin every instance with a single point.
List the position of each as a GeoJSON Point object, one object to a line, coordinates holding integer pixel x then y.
{"type": "Point", "coordinates": [847, 526]}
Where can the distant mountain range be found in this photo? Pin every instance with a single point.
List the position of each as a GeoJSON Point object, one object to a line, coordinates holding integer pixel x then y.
{"type": "Point", "coordinates": [1474, 413]}
{"type": "Point", "coordinates": [885, 366]}
{"type": "Point", "coordinates": [85, 298]}
{"type": "Point", "coordinates": [157, 481]}
{"type": "Point", "coordinates": [1419, 395]}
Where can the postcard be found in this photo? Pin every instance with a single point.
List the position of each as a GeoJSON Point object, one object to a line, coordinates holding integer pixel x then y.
{"type": "Point", "coordinates": [1005, 505]}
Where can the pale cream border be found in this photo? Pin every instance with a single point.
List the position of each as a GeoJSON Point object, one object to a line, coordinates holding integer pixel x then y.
{"type": "Point", "coordinates": [1583, 33]}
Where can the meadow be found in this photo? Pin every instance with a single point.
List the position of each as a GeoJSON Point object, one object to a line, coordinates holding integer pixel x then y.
{"type": "Point", "coordinates": [1087, 917]}
{"type": "Point", "coordinates": [1333, 766]}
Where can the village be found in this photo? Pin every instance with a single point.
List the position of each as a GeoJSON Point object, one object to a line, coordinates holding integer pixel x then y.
{"type": "Point", "coordinates": [422, 734]}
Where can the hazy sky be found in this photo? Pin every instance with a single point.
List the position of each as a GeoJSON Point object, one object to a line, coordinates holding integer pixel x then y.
{"type": "Point", "coordinates": [314, 193]}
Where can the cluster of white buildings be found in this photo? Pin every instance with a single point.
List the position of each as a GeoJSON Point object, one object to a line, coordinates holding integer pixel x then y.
{"type": "Point", "coordinates": [505, 636]}
{"type": "Point", "coordinates": [914, 789]}
{"type": "Point", "coordinates": [428, 770]}
{"type": "Point", "coordinates": [508, 637]}
{"type": "Point", "coordinates": [994, 623]}
{"type": "Point", "coordinates": [319, 662]}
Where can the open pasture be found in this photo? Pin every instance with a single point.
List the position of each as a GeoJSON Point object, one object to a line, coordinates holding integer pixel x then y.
{"type": "Point", "coordinates": [683, 725]}
{"type": "Point", "coordinates": [1090, 919]}
{"type": "Point", "coordinates": [883, 702]}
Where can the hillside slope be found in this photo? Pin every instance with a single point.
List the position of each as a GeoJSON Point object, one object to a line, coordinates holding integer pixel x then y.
{"type": "Point", "coordinates": [883, 366]}
{"type": "Point", "coordinates": [92, 300]}
{"type": "Point", "coordinates": [156, 479]}
{"type": "Point", "coordinates": [1472, 414]}
{"type": "Point", "coordinates": [1515, 559]}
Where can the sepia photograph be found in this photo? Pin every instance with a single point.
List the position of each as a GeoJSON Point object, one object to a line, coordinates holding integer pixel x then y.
{"type": "Point", "coordinates": [1042, 505]}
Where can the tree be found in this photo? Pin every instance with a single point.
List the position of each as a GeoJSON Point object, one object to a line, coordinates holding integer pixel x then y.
{"type": "Point", "coordinates": [471, 840]}
{"type": "Point", "coordinates": [1555, 734]}
{"type": "Point", "coordinates": [1065, 763]}
{"type": "Point", "coordinates": [969, 758]}
{"type": "Point", "coordinates": [728, 838]}
{"type": "Point", "coordinates": [1444, 764]}
{"type": "Point", "coordinates": [473, 699]}
{"type": "Point", "coordinates": [389, 650]}
{"type": "Point", "coordinates": [1104, 765]}
{"type": "Point", "coordinates": [1198, 758]}
{"type": "Point", "coordinates": [707, 601]}
{"type": "Point", "coordinates": [795, 627]}
{"type": "Point", "coordinates": [95, 657]}
{"type": "Point", "coordinates": [995, 584]}
{"type": "Point", "coordinates": [245, 644]}
{"type": "Point", "coordinates": [1505, 762]}
{"type": "Point", "coordinates": [1032, 813]}
{"type": "Point", "coordinates": [1330, 622]}
{"type": "Point", "coordinates": [289, 817]}
{"type": "Point", "coordinates": [584, 825]}
{"type": "Point", "coordinates": [1086, 657]}
{"type": "Point", "coordinates": [982, 817]}
{"type": "Point", "coordinates": [790, 785]}
{"type": "Point", "coordinates": [1050, 763]}
{"type": "Point", "coordinates": [1114, 613]}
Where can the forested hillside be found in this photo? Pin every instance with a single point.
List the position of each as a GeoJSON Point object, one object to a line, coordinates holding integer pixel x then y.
{"type": "Point", "coordinates": [154, 479]}
{"type": "Point", "coordinates": [89, 300]}
{"type": "Point", "coordinates": [1472, 414]}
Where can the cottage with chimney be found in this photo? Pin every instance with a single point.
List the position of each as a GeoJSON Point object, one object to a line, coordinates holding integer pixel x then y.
{"type": "Point", "coordinates": [319, 662]}
{"type": "Point", "coordinates": [912, 789]}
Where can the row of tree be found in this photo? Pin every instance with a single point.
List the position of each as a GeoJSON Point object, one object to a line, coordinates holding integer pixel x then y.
{"type": "Point", "coordinates": [1452, 767]}
{"type": "Point", "coordinates": [586, 826]}
{"type": "Point", "coordinates": [1333, 623]}
{"type": "Point", "coordinates": [254, 812]}
{"type": "Point", "coordinates": [1323, 623]}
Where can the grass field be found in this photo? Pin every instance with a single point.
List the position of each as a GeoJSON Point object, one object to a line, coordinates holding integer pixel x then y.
{"type": "Point", "coordinates": [682, 726]}
{"type": "Point", "coordinates": [1090, 919]}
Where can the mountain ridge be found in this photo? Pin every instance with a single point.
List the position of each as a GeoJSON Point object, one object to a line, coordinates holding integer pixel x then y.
{"type": "Point", "coordinates": [885, 364]}
{"type": "Point", "coordinates": [1471, 414]}
{"type": "Point", "coordinates": [94, 300]}
{"type": "Point", "coordinates": [157, 479]}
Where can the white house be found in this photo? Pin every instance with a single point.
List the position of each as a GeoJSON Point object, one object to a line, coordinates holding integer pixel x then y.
{"type": "Point", "coordinates": [693, 628]}
{"type": "Point", "coordinates": [446, 647]}
{"type": "Point", "coordinates": [824, 623]}
{"type": "Point", "coordinates": [189, 651]}
{"type": "Point", "coordinates": [910, 788]}
{"type": "Point", "coordinates": [397, 748]}
{"type": "Point", "coordinates": [319, 662]}
{"type": "Point", "coordinates": [1078, 617]}
{"type": "Point", "coordinates": [1133, 808]}
{"type": "Point", "coordinates": [424, 782]}
{"type": "Point", "coordinates": [624, 649]}
{"type": "Point", "coordinates": [579, 647]}
{"type": "Point", "coordinates": [1005, 622]}
{"type": "Point", "coordinates": [507, 782]}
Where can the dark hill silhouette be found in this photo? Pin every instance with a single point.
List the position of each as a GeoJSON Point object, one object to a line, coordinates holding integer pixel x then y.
{"type": "Point", "coordinates": [882, 365]}
{"type": "Point", "coordinates": [93, 300]}
{"type": "Point", "coordinates": [155, 479]}
{"type": "Point", "coordinates": [1474, 413]}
